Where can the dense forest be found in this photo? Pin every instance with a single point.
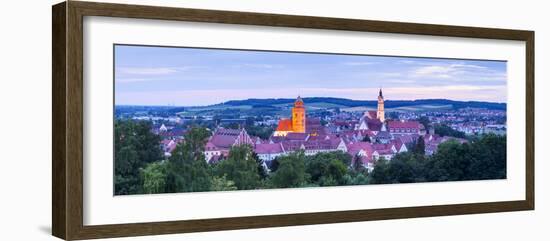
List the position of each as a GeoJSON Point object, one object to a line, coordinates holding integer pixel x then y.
{"type": "Point", "coordinates": [141, 168]}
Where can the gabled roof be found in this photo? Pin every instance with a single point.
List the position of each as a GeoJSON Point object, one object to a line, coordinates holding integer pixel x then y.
{"type": "Point", "coordinates": [374, 124]}
{"type": "Point", "coordinates": [165, 142]}
{"type": "Point", "coordinates": [225, 138]}
{"type": "Point", "coordinates": [405, 138]}
{"type": "Point", "coordinates": [397, 143]}
{"type": "Point", "coordinates": [210, 146]}
{"type": "Point", "coordinates": [269, 148]}
{"type": "Point", "coordinates": [403, 124]}
{"type": "Point", "coordinates": [296, 136]}
{"type": "Point", "coordinates": [372, 114]}
{"type": "Point", "coordinates": [381, 147]}
{"type": "Point", "coordinates": [172, 146]}
{"type": "Point", "coordinates": [383, 134]}
{"type": "Point", "coordinates": [228, 132]}
{"type": "Point", "coordinates": [355, 147]}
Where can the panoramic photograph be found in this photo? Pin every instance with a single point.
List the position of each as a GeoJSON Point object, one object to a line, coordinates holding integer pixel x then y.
{"type": "Point", "coordinates": [203, 119]}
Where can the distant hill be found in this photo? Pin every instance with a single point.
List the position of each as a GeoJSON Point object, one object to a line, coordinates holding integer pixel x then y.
{"type": "Point", "coordinates": [347, 103]}
{"type": "Point", "coordinates": [281, 107]}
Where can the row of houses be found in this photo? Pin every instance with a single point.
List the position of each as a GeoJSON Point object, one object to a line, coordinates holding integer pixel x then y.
{"type": "Point", "coordinates": [218, 146]}
{"type": "Point", "coordinates": [367, 140]}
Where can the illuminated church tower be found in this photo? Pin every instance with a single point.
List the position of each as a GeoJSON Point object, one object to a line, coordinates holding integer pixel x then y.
{"type": "Point", "coordinates": [299, 116]}
{"type": "Point", "coordinates": [380, 111]}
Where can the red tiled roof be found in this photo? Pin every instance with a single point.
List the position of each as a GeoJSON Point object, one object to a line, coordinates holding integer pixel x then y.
{"type": "Point", "coordinates": [374, 124]}
{"type": "Point", "coordinates": [355, 147]}
{"type": "Point", "coordinates": [268, 148]}
{"type": "Point", "coordinates": [367, 159]}
{"type": "Point", "coordinates": [403, 124]}
{"type": "Point", "coordinates": [225, 138]}
{"type": "Point", "coordinates": [384, 151]}
{"type": "Point", "coordinates": [405, 138]}
{"type": "Point", "coordinates": [296, 136]}
{"type": "Point", "coordinates": [372, 114]}
{"type": "Point", "coordinates": [284, 125]}
{"type": "Point", "coordinates": [165, 142]}
{"type": "Point", "coordinates": [228, 132]}
{"type": "Point", "coordinates": [224, 141]}
{"type": "Point", "coordinates": [383, 134]}
{"type": "Point", "coordinates": [210, 146]}
{"type": "Point", "coordinates": [331, 144]}
{"type": "Point", "coordinates": [172, 146]}
{"type": "Point", "coordinates": [397, 143]}
{"type": "Point", "coordinates": [380, 147]}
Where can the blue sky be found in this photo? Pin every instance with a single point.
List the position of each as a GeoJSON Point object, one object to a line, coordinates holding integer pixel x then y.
{"type": "Point", "coordinates": [193, 77]}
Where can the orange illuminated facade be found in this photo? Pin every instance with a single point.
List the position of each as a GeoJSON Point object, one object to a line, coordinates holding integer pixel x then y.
{"type": "Point", "coordinates": [297, 121]}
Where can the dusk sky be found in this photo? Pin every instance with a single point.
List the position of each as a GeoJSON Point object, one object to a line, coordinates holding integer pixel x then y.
{"type": "Point", "coordinates": [196, 77]}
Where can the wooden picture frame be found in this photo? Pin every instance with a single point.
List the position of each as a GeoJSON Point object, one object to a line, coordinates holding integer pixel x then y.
{"type": "Point", "coordinates": [67, 124]}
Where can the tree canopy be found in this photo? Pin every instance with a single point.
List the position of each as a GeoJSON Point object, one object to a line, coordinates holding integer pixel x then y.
{"type": "Point", "coordinates": [140, 166]}
{"type": "Point", "coordinates": [240, 167]}
{"type": "Point", "coordinates": [187, 168]}
{"type": "Point", "coordinates": [135, 147]}
{"type": "Point", "coordinates": [484, 158]}
{"type": "Point", "coordinates": [290, 172]}
{"type": "Point", "coordinates": [445, 130]}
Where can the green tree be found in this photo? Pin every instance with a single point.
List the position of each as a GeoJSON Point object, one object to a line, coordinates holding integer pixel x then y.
{"type": "Point", "coordinates": [402, 168]}
{"type": "Point", "coordinates": [154, 178]}
{"type": "Point", "coordinates": [291, 171]}
{"type": "Point", "coordinates": [357, 164]}
{"type": "Point", "coordinates": [450, 162]}
{"type": "Point", "coordinates": [445, 130]}
{"type": "Point", "coordinates": [425, 121]}
{"type": "Point", "coordinates": [262, 172]}
{"type": "Point", "coordinates": [240, 167]}
{"type": "Point", "coordinates": [483, 158]}
{"type": "Point", "coordinates": [490, 158]}
{"type": "Point", "coordinates": [328, 169]}
{"type": "Point", "coordinates": [274, 164]}
{"type": "Point", "coordinates": [187, 168]}
{"type": "Point", "coordinates": [222, 184]}
{"type": "Point", "coordinates": [264, 132]}
{"type": "Point", "coordinates": [419, 146]}
{"type": "Point", "coordinates": [356, 178]}
{"type": "Point", "coordinates": [336, 171]}
{"type": "Point", "coordinates": [135, 147]}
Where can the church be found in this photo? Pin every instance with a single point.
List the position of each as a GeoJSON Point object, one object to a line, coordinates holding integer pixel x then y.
{"type": "Point", "coordinates": [378, 114]}
{"type": "Point", "coordinates": [297, 121]}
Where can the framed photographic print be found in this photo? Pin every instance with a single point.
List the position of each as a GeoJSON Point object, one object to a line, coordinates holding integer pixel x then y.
{"type": "Point", "coordinates": [171, 120]}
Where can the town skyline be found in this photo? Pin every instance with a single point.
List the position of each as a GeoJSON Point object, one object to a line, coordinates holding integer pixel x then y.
{"type": "Point", "coordinates": [163, 76]}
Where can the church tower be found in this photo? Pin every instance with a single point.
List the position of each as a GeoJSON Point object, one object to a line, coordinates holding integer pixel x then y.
{"type": "Point", "coordinates": [299, 116]}
{"type": "Point", "coordinates": [380, 111]}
